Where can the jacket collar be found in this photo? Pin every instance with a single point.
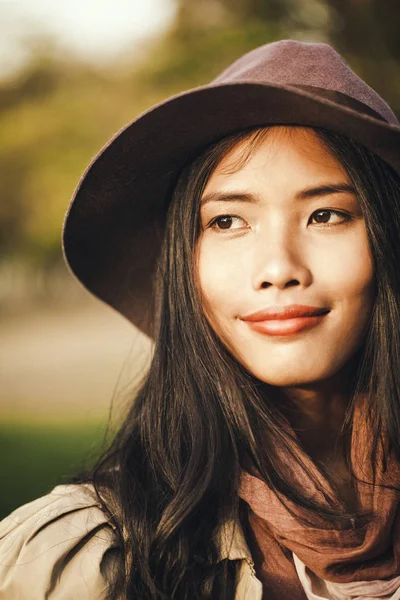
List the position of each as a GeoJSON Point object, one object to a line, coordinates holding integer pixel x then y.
{"type": "Point", "coordinates": [231, 543]}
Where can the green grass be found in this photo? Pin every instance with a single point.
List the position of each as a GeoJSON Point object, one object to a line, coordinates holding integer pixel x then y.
{"type": "Point", "coordinates": [37, 456]}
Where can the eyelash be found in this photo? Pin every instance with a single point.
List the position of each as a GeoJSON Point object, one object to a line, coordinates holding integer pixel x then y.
{"type": "Point", "coordinates": [345, 216]}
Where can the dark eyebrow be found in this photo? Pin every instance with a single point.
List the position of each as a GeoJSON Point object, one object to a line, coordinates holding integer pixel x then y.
{"type": "Point", "coordinates": [326, 190]}
{"type": "Point", "coordinates": [306, 194]}
{"type": "Point", "coordinates": [229, 196]}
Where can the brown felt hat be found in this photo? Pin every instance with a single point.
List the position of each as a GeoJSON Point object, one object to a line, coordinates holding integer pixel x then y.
{"type": "Point", "coordinates": [113, 227]}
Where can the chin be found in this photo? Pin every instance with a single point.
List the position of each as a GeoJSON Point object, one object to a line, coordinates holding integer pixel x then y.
{"type": "Point", "coordinates": [285, 381]}
{"type": "Point", "coordinates": [288, 378]}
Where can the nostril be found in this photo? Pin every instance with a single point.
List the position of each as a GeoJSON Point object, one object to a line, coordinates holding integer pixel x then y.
{"type": "Point", "coordinates": [266, 284]}
{"type": "Point", "coordinates": [292, 282]}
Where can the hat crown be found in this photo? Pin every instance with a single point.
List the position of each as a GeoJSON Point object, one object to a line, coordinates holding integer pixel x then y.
{"type": "Point", "coordinates": [289, 62]}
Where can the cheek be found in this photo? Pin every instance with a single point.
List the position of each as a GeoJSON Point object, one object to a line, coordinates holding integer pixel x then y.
{"type": "Point", "coordinates": [348, 272]}
{"type": "Point", "coordinates": [220, 278]}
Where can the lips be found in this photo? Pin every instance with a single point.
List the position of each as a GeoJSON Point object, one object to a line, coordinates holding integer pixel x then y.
{"type": "Point", "coordinates": [285, 320]}
{"type": "Point", "coordinates": [281, 313]}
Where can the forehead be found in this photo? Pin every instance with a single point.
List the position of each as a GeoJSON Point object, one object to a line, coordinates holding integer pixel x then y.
{"type": "Point", "coordinates": [289, 150]}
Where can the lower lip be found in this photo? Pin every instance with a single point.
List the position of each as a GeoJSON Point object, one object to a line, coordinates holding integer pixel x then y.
{"type": "Point", "coordinates": [285, 326]}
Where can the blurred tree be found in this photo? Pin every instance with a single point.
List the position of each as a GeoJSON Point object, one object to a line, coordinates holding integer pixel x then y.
{"type": "Point", "coordinates": [53, 117]}
{"type": "Point", "coordinates": [367, 33]}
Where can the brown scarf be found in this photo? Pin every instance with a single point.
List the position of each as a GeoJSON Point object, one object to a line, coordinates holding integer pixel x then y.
{"type": "Point", "coordinates": [364, 550]}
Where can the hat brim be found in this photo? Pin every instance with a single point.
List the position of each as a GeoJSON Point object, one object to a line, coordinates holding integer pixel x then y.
{"type": "Point", "coordinates": [113, 227]}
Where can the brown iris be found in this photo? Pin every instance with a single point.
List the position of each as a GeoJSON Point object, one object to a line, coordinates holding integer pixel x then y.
{"type": "Point", "coordinates": [224, 222]}
{"type": "Point", "coordinates": [322, 216]}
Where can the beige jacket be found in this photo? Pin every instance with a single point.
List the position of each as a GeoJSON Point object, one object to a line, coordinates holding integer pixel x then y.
{"type": "Point", "coordinates": [61, 547]}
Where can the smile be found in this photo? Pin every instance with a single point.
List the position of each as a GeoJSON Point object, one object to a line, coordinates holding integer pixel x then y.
{"type": "Point", "coordinates": [285, 326]}
{"type": "Point", "coordinates": [285, 320]}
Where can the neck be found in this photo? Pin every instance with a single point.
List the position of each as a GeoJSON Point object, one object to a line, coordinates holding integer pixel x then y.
{"type": "Point", "coordinates": [317, 412]}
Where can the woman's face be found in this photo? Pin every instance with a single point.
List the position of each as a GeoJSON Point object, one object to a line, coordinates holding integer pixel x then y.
{"type": "Point", "coordinates": [283, 236]}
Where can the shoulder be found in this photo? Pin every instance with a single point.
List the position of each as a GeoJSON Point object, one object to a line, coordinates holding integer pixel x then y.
{"type": "Point", "coordinates": [57, 547]}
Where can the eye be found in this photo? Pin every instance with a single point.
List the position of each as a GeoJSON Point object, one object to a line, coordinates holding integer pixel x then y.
{"type": "Point", "coordinates": [328, 216]}
{"type": "Point", "coordinates": [223, 222]}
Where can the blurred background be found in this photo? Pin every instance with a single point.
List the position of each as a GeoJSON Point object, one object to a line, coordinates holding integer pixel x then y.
{"type": "Point", "coordinates": [71, 74]}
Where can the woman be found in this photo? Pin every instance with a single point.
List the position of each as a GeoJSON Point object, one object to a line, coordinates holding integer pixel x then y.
{"type": "Point", "coordinates": [251, 228]}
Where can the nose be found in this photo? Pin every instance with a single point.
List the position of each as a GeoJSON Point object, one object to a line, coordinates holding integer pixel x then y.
{"type": "Point", "coordinates": [279, 262]}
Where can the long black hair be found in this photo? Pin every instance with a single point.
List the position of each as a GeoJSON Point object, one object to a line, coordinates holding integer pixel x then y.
{"type": "Point", "coordinates": [171, 475]}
